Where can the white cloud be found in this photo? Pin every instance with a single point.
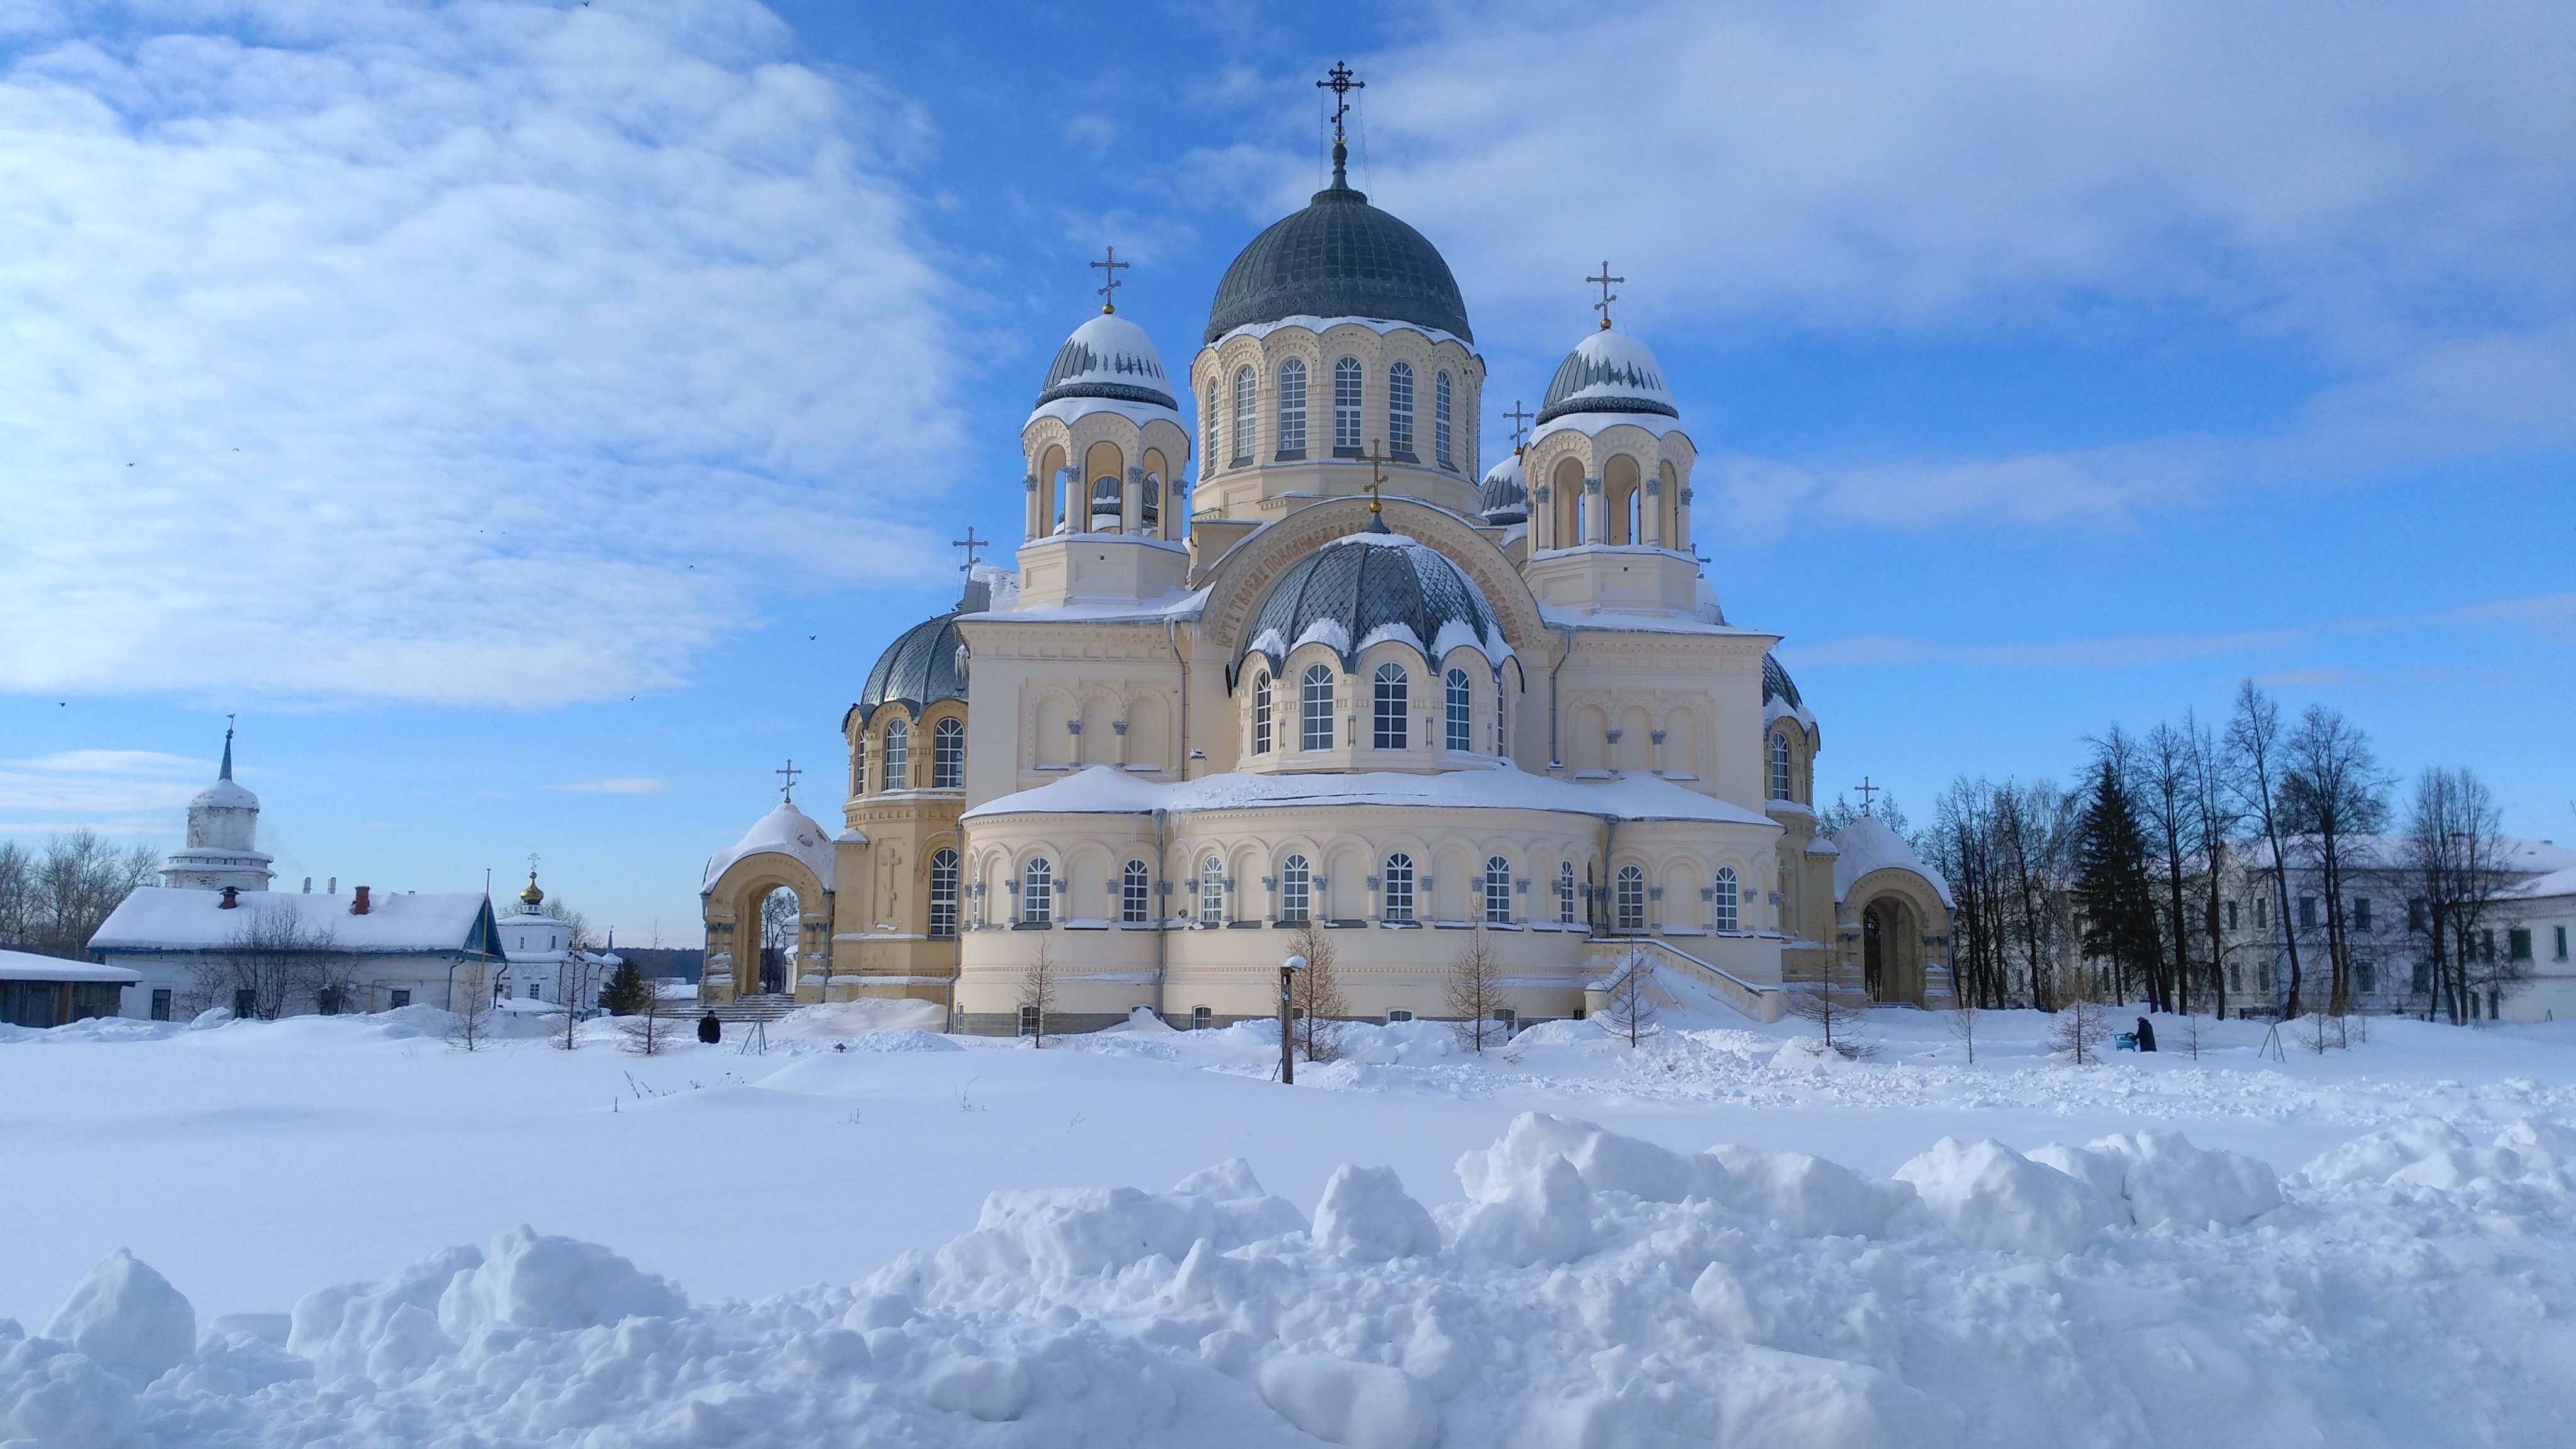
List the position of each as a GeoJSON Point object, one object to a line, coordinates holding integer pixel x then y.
{"type": "Point", "coordinates": [622, 786]}
{"type": "Point", "coordinates": [487, 353]}
{"type": "Point", "coordinates": [100, 783]}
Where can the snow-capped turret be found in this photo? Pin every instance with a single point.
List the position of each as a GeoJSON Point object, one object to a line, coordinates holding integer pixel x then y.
{"type": "Point", "coordinates": [1609, 377]}
{"type": "Point", "coordinates": [223, 838]}
{"type": "Point", "coordinates": [1107, 365]}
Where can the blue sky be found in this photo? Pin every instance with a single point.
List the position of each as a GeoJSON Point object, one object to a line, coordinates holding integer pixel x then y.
{"type": "Point", "coordinates": [533, 419]}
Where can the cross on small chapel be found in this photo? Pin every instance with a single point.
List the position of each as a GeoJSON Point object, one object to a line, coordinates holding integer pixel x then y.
{"type": "Point", "coordinates": [532, 865]}
{"type": "Point", "coordinates": [1866, 790]}
{"type": "Point", "coordinates": [970, 543]}
{"type": "Point", "coordinates": [787, 791]}
{"type": "Point", "coordinates": [1339, 82]}
{"type": "Point", "coordinates": [1607, 296]}
{"type": "Point", "coordinates": [1520, 417]}
{"type": "Point", "coordinates": [1109, 271]}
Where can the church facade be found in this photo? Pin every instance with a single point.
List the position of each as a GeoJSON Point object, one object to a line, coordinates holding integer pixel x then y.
{"type": "Point", "coordinates": [1306, 668]}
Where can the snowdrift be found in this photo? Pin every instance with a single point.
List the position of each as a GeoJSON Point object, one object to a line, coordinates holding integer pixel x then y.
{"type": "Point", "coordinates": [1590, 1290]}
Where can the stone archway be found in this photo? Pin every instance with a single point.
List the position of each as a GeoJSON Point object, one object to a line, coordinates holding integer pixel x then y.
{"type": "Point", "coordinates": [739, 963]}
{"type": "Point", "coordinates": [1891, 939]}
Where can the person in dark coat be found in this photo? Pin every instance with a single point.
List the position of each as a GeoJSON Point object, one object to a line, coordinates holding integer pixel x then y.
{"type": "Point", "coordinates": [2146, 1035]}
{"type": "Point", "coordinates": [710, 1030]}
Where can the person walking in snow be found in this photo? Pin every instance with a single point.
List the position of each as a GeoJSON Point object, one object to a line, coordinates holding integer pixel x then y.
{"type": "Point", "coordinates": [710, 1030]}
{"type": "Point", "coordinates": [2146, 1035]}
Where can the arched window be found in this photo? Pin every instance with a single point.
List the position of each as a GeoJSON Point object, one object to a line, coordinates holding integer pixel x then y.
{"type": "Point", "coordinates": [1630, 900]}
{"type": "Point", "coordinates": [898, 743]}
{"type": "Point", "coordinates": [1461, 737]}
{"type": "Point", "coordinates": [943, 894]}
{"type": "Point", "coordinates": [1245, 424]}
{"type": "Point", "coordinates": [948, 755]}
{"type": "Point", "coordinates": [1261, 713]}
{"type": "Point", "coordinates": [1399, 410]}
{"type": "Point", "coordinates": [1208, 439]}
{"type": "Point", "coordinates": [1315, 722]}
{"type": "Point", "coordinates": [1201, 1018]}
{"type": "Point", "coordinates": [1565, 894]}
{"type": "Point", "coordinates": [1440, 429]}
{"type": "Point", "coordinates": [1498, 891]}
{"type": "Point", "coordinates": [859, 762]}
{"type": "Point", "coordinates": [1037, 892]}
{"type": "Point", "coordinates": [1292, 408]}
{"type": "Point", "coordinates": [1724, 918]}
{"type": "Point", "coordinates": [1399, 888]}
{"type": "Point", "coordinates": [1779, 766]}
{"type": "Point", "coordinates": [1389, 711]}
{"type": "Point", "coordinates": [1346, 407]}
{"type": "Point", "coordinates": [1135, 894]}
{"type": "Point", "coordinates": [1296, 891]}
{"type": "Point", "coordinates": [1212, 892]}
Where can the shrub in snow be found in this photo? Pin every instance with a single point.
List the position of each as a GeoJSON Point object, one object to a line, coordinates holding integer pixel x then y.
{"type": "Point", "coordinates": [1362, 1405]}
{"type": "Point", "coordinates": [128, 1319]}
{"type": "Point", "coordinates": [1809, 1196]}
{"type": "Point", "coordinates": [1606, 1162]}
{"type": "Point", "coordinates": [1366, 1215]}
{"type": "Point", "coordinates": [1993, 1197]}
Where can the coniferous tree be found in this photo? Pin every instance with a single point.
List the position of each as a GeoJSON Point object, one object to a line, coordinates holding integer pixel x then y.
{"type": "Point", "coordinates": [627, 992]}
{"type": "Point", "coordinates": [2113, 884]}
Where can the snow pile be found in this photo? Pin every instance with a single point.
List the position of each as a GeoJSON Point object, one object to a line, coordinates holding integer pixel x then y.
{"type": "Point", "coordinates": [1593, 1289]}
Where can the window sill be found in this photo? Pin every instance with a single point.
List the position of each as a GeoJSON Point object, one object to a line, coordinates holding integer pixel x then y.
{"type": "Point", "coordinates": [1033, 925]}
{"type": "Point", "coordinates": [1403, 455]}
{"type": "Point", "coordinates": [1289, 455]}
{"type": "Point", "coordinates": [1243, 925]}
{"type": "Point", "coordinates": [1349, 453]}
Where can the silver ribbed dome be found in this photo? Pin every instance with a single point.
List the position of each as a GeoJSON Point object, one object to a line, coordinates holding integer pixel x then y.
{"type": "Point", "coordinates": [1371, 587]}
{"type": "Point", "coordinates": [1504, 499]}
{"type": "Point", "coordinates": [1776, 685]}
{"type": "Point", "coordinates": [1608, 372]}
{"type": "Point", "coordinates": [917, 670]}
{"type": "Point", "coordinates": [1340, 257]}
{"type": "Point", "coordinates": [1108, 357]}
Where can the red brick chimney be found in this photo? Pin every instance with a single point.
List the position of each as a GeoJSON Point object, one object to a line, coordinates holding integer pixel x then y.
{"type": "Point", "coordinates": [358, 902]}
{"type": "Point", "coordinates": [230, 900]}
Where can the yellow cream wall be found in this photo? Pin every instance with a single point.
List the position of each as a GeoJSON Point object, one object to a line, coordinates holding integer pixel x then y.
{"type": "Point", "coordinates": [1707, 686]}
{"type": "Point", "coordinates": [1027, 680]}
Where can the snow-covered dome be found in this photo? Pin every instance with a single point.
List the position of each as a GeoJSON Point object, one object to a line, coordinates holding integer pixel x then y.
{"type": "Point", "coordinates": [918, 669]}
{"type": "Point", "coordinates": [1373, 586]}
{"type": "Point", "coordinates": [1505, 496]}
{"type": "Point", "coordinates": [224, 794]}
{"type": "Point", "coordinates": [784, 831]}
{"type": "Point", "coordinates": [1867, 844]}
{"type": "Point", "coordinates": [1780, 695]}
{"type": "Point", "coordinates": [1608, 372]}
{"type": "Point", "coordinates": [1340, 257]}
{"type": "Point", "coordinates": [1108, 357]}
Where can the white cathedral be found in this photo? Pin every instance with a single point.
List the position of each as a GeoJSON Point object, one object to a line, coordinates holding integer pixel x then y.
{"type": "Point", "coordinates": [1338, 680]}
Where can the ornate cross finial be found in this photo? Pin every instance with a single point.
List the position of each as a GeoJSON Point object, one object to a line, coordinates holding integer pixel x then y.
{"type": "Point", "coordinates": [1338, 81]}
{"type": "Point", "coordinates": [1109, 271]}
{"type": "Point", "coordinates": [1866, 790]}
{"type": "Point", "coordinates": [970, 542]}
{"type": "Point", "coordinates": [1377, 480]}
{"type": "Point", "coordinates": [787, 790]}
{"type": "Point", "coordinates": [1607, 296]}
{"type": "Point", "coordinates": [1520, 417]}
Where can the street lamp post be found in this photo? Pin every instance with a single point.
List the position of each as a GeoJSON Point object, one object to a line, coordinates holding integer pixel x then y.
{"type": "Point", "coordinates": [1288, 970]}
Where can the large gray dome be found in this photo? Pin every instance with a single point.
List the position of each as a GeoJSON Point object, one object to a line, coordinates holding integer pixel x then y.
{"type": "Point", "coordinates": [1368, 587]}
{"type": "Point", "coordinates": [917, 670]}
{"type": "Point", "coordinates": [1776, 685]}
{"type": "Point", "coordinates": [1340, 257]}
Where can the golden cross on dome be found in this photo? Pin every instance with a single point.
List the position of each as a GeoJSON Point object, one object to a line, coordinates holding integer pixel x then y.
{"type": "Point", "coordinates": [1607, 296]}
{"type": "Point", "coordinates": [1520, 417]}
{"type": "Point", "coordinates": [787, 791]}
{"type": "Point", "coordinates": [1377, 476]}
{"type": "Point", "coordinates": [1110, 270]}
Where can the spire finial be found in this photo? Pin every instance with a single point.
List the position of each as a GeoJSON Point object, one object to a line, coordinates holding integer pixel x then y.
{"type": "Point", "coordinates": [1607, 296]}
{"type": "Point", "coordinates": [1338, 81]}
{"type": "Point", "coordinates": [1520, 417]}
{"type": "Point", "coordinates": [1866, 790]}
{"type": "Point", "coordinates": [227, 772]}
{"type": "Point", "coordinates": [1109, 270]}
{"type": "Point", "coordinates": [787, 791]}
{"type": "Point", "coordinates": [1377, 480]}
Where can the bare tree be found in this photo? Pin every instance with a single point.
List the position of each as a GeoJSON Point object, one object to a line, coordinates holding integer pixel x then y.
{"type": "Point", "coordinates": [274, 960]}
{"type": "Point", "coordinates": [643, 1030]}
{"type": "Point", "coordinates": [2081, 1021]}
{"type": "Point", "coordinates": [2332, 793]}
{"type": "Point", "coordinates": [1038, 989]}
{"type": "Point", "coordinates": [2214, 822]}
{"type": "Point", "coordinates": [1315, 998]}
{"type": "Point", "coordinates": [1477, 996]}
{"type": "Point", "coordinates": [2254, 771]}
{"type": "Point", "coordinates": [1963, 1024]}
{"type": "Point", "coordinates": [576, 975]}
{"type": "Point", "coordinates": [1630, 1010]}
{"type": "Point", "coordinates": [17, 896]}
{"type": "Point", "coordinates": [469, 1004]}
{"type": "Point", "coordinates": [52, 903]}
{"type": "Point", "coordinates": [1831, 1010]}
{"type": "Point", "coordinates": [2162, 790]}
{"type": "Point", "coordinates": [2454, 851]}
{"type": "Point", "coordinates": [780, 915]}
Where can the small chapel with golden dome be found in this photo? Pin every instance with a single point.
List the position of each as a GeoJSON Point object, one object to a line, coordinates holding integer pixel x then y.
{"type": "Point", "coordinates": [1307, 670]}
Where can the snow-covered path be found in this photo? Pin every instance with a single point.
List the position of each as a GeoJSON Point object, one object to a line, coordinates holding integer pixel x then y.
{"type": "Point", "coordinates": [255, 1163]}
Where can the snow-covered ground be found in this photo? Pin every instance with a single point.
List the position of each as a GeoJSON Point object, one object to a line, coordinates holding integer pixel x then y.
{"type": "Point", "coordinates": [892, 1237]}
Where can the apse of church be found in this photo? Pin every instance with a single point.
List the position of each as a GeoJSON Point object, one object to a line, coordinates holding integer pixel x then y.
{"type": "Point", "coordinates": [1304, 666]}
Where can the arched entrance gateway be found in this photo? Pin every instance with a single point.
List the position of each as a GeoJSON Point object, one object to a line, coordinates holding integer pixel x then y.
{"type": "Point", "coordinates": [1895, 917]}
{"type": "Point", "coordinates": [769, 909]}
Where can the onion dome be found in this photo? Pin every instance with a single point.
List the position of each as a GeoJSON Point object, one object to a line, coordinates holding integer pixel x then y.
{"type": "Point", "coordinates": [1108, 357]}
{"type": "Point", "coordinates": [1505, 496]}
{"type": "Point", "coordinates": [1608, 372]}
{"type": "Point", "coordinates": [1340, 257]}
{"type": "Point", "coordinates": [1371, 587]}
{"type": "Point", "coordinates": [531, 898]}
{"type": "Point", "coordinates": [918, 669]}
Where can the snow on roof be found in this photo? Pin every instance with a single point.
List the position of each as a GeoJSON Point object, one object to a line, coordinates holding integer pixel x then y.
{"type": "Point", "coordinates": [784, 831]}
{"type": "Point", "coordinates": [1559, 617]}
{"type": "Point", "coordinates": [1178, 605]}
{"type": "Point", "coordinates": [226, 794]}
{"type": "Point", "coordinates": [26, 966]}
{"type": "Point", "coordinates": [1379, 325]}
{"type": "Point", "coordinates": [161, 918]}
{"type": "Point", "coordinates": [1866, 844]}
{"type": "Point", "coordinates": [1067, 409]}
{"type": "Point", "coordinates": [2556, 883]}
{"type": "Point", "coordinates": [1107, 790]}
{"type": "Point", "coordinates": [2516, 856]}
{"type": "Point", "coordinates": [1592, 425]}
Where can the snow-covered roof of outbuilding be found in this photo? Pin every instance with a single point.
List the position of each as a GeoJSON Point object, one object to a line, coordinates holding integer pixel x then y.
{"type": "Point", "coordinates": [27, 966]}
{"type": "Point", "coordinates": [1107, 790]}
{"type": "Point", "coordinates": [2556, 883]}
{"type": "Point", "coordinates": [784, 831]}
{"type": "Point", "coordinates": [1370, 587]}
{"type": "Point", "coordinates": [162, 918]}
{"type": "Point", "coordinates": [1866, 844]}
